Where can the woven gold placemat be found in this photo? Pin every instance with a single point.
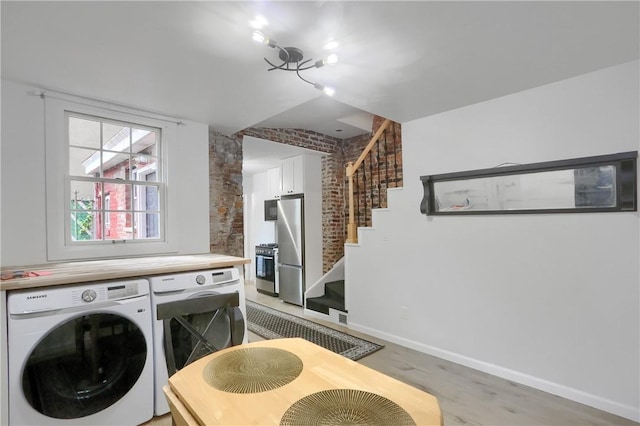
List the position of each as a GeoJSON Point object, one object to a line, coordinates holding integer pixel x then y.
{"type": "Point", "coordinates": [345, 407]}
{"type": "Point", "coordinates": [252, 370]}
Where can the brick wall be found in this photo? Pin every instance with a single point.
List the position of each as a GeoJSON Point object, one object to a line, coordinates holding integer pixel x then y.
{"type": "Point", "coordinates": [226, 225]}
{"type": "Point", "coordinates": [225, 176]}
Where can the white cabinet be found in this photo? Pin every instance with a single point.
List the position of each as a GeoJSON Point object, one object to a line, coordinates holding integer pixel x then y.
{"type": "Point", "coordinates": [293, 175]}
{"type": "Point", "coordinates": [274, 182]}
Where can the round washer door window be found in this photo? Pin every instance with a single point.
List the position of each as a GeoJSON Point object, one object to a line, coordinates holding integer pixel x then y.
{"type": "Point", "coordinates": [84, 366]}
{"type": "Point", "coordinates": [214, 326]}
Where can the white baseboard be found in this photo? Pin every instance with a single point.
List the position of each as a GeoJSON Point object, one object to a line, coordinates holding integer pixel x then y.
{"type": "Point", "coordinates": [316, 314]}
{"type": "Point", "coordinates": [595, 401]}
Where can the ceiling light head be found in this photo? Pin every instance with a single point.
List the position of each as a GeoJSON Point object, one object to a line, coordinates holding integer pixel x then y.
{"type": "Point", "coordinates": [261, 38]}
{"type": "Point", "coordinates": [329, 60]}
{"type": "Point", "coordinates": [327, 90]}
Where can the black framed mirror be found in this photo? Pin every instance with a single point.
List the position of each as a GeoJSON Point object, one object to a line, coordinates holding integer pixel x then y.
{"type": "Point", "coordinates": [604, 183]}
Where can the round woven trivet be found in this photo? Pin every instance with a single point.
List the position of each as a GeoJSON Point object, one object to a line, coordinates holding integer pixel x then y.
{"type": "Point", "coordinates": [252, 370]}
{"type": "Point", "coordinates": [345, 407]}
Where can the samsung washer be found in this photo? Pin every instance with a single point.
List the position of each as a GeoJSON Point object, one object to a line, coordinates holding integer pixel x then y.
{"type": "Point", "coordinates": [215, 326]}
{"type": "Point", "coordinates": [81, 354]}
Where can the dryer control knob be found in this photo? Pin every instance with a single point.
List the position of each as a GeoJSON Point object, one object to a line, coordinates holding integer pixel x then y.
{"type": "Point", "coordinates": [89, 296]}
{"type": "Point", "coordinates": [201, 279]}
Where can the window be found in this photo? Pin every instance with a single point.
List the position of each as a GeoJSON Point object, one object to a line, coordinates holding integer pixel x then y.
{"type": "Point", "coordinates": [106, 182]}
{"type": "Point", "coordinates": [113, 180]}
{"type": "Point", "coordinates": [605, 183]}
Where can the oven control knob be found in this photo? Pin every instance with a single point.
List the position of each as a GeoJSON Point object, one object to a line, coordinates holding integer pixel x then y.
{"type": "Point", "coordinates": [201, 279]}
{"type": "Point", "coordinates": [89, 296]}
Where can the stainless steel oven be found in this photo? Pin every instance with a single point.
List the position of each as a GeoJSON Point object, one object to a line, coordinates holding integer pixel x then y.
{"type": "Point", "coordinates": [266, 269]}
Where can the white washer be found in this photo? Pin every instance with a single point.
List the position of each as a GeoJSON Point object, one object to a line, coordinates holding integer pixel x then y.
{"type": "Point", "coordinates": [81, 354]}
{"type": "Point", "coordinates": [215, 326]}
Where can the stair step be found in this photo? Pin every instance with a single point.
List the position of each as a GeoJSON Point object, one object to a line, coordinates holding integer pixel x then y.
{"type": "Point", "coordinates": [335, 290]}
{"type": "Point", "coordinates": [323, 303]}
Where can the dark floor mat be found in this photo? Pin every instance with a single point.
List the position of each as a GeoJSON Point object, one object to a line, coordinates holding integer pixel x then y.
{"type": "Point", "coordinates": [272, 324]}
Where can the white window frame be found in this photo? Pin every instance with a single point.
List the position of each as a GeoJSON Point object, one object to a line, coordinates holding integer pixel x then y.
{"type": "Point", "coordinates": [107, 213]}
{"type": "Point", "coordinates": [59, 247]}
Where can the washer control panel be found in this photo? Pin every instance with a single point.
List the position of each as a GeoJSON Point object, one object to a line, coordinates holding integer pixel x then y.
{"type": "Point", "coordinates": [194, 281]}
{"type": "Point", "coordinates": [122, 291]}
{"type": "Point", "coordinates": [62, 297]}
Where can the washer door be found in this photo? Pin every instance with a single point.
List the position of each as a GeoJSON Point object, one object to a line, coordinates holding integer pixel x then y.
{"type": "Point", "coordinates": [214, 326]}
{"type": "Point", "coordinates": [84, 365]}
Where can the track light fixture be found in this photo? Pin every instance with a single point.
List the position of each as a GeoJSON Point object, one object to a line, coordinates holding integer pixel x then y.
{"type": "Point", "coordinates": [292, 60]}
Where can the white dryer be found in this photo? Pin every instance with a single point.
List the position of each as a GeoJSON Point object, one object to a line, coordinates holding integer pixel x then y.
{"type": "Point", "coordinates": [81, 354]}
{"type": "Point", "coordinates": [216, 326]}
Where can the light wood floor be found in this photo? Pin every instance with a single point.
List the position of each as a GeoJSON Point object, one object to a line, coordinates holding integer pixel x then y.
{"type": "Point", "coordinates": [466, 396]}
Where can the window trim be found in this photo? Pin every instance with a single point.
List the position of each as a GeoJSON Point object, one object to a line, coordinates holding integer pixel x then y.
{"type": "Point", "coordinates": [57, 174]}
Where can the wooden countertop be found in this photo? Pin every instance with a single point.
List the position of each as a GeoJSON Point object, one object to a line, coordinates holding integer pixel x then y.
{"type": "Point", "coordinates": [96, 270]}
{"type": "Point", "coordinates": [322, 370]}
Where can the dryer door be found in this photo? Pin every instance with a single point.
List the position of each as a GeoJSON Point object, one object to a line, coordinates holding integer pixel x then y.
{"type": "Point", "coordinates": [215, 326]}
{"type": "Point", "coordinates": [84, 365]}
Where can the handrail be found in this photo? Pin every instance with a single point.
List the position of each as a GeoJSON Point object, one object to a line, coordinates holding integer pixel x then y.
{"type": "Point", "coordinates": [368, 148]}
{"type": "Point", "coordinates": [352, 168]}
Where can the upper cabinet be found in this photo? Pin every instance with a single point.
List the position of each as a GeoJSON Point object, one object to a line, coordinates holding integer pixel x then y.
{"type": "Point", "coordinates": [274, 182]}
{"type": "Point", "coordinates": [293, 175]}
{"type": "Point", "coordinates": [296, 175]}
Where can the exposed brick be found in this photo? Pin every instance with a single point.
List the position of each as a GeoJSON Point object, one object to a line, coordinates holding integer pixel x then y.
{"type": "Point", "coordinates": [225, 176]}
{"type": "Point", "coordinates": [225, 194]}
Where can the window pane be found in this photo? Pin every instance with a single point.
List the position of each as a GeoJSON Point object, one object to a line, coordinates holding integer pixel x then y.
{"type": "Point", "coordinates": [145, 166]}
{"type": "Point", "coordinates": [119, 226]}
{"type": "Point", "coordinates": [147, 198]}
{"type": "Point", "coordinates": [144, 140]}
{"type": "Point", "coordinates": [84, 132]}
{"type": "Point", "coordinates": [84, 195]}
{"type": "Point", "coordinates": [115, 137]}
{"type": "Point", "coordinates": [84, 162]}
{"type": "Point", "coordinates": [119, 196]}
{"type": "Point", "coordinates": [83, 225]}
{"type": "Point", "coordinates": [115, 165]}
{"type": "Point", "coordinates": [85, 222]}
{"type": "Point", "coordinates": [147, 225]}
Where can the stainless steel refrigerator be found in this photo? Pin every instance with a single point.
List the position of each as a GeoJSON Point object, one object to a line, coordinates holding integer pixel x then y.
{"type": "Point", "coordinates": [290, 226]}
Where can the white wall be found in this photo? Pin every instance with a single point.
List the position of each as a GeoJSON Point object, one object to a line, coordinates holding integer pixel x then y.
{"type": "Point", "coordinates": [23, 210]}
{"type": "Point", "coordinates": [550, 300]}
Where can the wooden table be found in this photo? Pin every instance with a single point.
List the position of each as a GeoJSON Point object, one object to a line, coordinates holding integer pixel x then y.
{"type": "Point", "coordinates": [194, 401]}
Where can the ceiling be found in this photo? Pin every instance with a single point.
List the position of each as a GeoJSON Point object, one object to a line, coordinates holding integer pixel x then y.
{"type": "Point", "coordinates": [399, 60]}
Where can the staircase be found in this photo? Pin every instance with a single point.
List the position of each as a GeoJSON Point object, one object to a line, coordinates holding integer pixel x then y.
{"type": "Point", "coordinates": [375, 174]}
{"type": "Point", "coordinates": [333, 298]}
{"type": "Point", "coordinates": [325, 299]}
